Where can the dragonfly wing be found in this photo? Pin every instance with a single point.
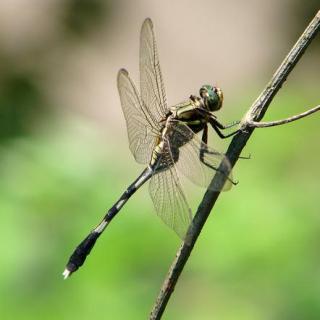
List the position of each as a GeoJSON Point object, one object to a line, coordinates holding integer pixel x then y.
{"type": "Point", "coordinates": [141, 129]}
{"type": "Point", "coordinates": [168, 197]}
{"type": "Point", "coordinates": [189, 164]}
{"type": "Point", "coordinates": [151, 84]}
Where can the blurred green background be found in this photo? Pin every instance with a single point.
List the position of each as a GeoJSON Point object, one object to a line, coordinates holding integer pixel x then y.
{"type": "Point", "coordinates": [64, 160]}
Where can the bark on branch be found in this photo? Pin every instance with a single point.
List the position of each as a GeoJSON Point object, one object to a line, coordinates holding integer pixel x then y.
{"type": "Point", "coordinates": [254, 114]}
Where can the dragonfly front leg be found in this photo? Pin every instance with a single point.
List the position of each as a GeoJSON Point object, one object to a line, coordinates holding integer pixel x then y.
{"type": "Point", "coordinates": [204, 150]}
{"type": "Point", "coordinates": [224, 126]}
{"type": "Point", "coordinates": [216, 125]}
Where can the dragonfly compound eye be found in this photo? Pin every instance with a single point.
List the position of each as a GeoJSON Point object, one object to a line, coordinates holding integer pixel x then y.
{"type": "Point", "coordinates": [212, 97]}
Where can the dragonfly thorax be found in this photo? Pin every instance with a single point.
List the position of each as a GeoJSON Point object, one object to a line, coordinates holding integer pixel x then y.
{"type": "Point", "coordinates": [212, 97]}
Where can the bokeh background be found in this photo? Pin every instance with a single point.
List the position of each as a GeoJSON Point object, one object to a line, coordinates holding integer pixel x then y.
{"type": "Point", "coordinates": [64, 160]}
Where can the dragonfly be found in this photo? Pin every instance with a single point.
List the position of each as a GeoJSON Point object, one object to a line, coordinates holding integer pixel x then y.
{"type": "Point", "coordinates": [165, 139]}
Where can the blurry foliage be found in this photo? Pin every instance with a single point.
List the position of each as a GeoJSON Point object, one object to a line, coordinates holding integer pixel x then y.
{"type": "Point", "coordinates": [82, 16]}
{"type": "Point", "coordinates": [21, 102]}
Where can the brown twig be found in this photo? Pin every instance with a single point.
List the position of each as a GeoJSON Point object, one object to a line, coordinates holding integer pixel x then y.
{"type": "Point", "coordinates": [256, 124]}
{"type": "Point", "coordinates": [255, 113]}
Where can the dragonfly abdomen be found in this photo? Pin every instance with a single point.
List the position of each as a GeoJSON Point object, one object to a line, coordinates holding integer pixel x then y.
{"type": "Point", "coordinates": [80, 254]}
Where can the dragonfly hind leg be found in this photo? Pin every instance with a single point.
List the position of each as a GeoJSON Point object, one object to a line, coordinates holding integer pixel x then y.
{"type": "Point", "coordinates": [204, 150]}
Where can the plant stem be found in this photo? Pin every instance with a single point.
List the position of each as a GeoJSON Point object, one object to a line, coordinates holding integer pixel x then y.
{"type": "Point", "coordinates": [283, 121]}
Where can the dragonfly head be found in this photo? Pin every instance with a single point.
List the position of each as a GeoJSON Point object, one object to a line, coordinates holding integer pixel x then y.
{"type": "Point", "coordinates": [212, 97]}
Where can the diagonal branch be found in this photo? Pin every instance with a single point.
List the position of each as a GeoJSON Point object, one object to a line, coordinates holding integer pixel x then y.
{"type": "Point", "coordinates": [255, 113]}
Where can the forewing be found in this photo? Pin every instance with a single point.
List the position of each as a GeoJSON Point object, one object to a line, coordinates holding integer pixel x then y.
{"type": "Point", "coordinates": [168, 198]}
{"type": "Point", "coordinates": [151, 84]}
{"type": "Point", "coordinates": [189, 163]}
{"type": "Point", "coordinates": [141, 130]}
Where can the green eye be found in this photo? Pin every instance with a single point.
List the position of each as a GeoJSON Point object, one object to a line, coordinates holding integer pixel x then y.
{"type": "Point", "coordinates": [212, 97]}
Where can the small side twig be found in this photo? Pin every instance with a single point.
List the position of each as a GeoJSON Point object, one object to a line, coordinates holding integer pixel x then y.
{"type": "Point", "coordinates": [255, 113]}
{"type": "Point", "coordinates": [255, 124]}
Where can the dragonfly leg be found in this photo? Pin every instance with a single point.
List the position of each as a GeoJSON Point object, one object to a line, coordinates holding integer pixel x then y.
{"type": "Point", "coordinates": [204, 139]}
{"type": "Point", "coordinates": [245, 157]}
{"type": "Point", "coordinates": [225, 126]}
{"type": "Point", "coordinates": [204, 150]}
{"type": "Point", "coordinates": [216, 125]}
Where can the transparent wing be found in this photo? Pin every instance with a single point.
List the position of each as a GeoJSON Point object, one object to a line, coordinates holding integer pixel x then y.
{"type": "Point", "coordinates": [151, 84]}
{"type": "Point", "coordinates": [168, 198]}
{"type": "Point", "coordinates": [188, 160]}
{"type": "Point", "coordinates": [141, 129]}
